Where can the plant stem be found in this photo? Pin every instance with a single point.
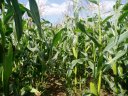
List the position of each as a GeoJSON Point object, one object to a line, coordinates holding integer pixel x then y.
{"type": "Point", "coordinates": [100, 49]}
{"type": "Point", "coordinates": [99, 82]}
{"type": "Point", "coordinates": [3, 26]}
{"type": "Point", "coordinates": [99, 21]}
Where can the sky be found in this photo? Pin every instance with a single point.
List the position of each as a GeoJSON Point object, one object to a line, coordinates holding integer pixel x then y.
{"type": "Point", "coordinates": [54, 10]}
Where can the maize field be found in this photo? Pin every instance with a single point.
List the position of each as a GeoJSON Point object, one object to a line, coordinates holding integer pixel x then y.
{"type": "Point", "coordinates": [79, 57]}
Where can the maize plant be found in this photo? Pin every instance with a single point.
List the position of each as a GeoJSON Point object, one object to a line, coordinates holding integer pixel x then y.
{"type": "Point", "coordinates": [78, 57]}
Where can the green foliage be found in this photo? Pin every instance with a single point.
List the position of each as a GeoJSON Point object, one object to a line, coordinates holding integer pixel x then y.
{"type": "Point", "coordinates": [57, 37]}
{"type": "Point", "coordinates": [35, 15]}
{"type": "Point", "coordinates": [78, 57]}
{"type": "Point", "coordinates": [17, 18]}
{"type": "Point", "coordinates": [7, 69]}
{"type": "Point", "coordinates": [94, 1]}
{"type": "Point", "coordinates": [93, 89]}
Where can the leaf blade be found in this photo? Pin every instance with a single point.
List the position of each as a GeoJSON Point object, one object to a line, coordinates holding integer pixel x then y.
{"type": "Point", "coordinates": [17, 19]}
{"type": "Point", "coordinates": [35, 15]}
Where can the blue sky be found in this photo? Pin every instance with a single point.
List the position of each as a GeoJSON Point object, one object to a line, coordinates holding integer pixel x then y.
{"type": "Point", "coordinates": [56, 1]}
{"type": "Point", "coordinates": [51, 1]}
{"type": "Point", "coordinates": [59, 1]}
{"type": "Point", "coordinates": [54, 10]}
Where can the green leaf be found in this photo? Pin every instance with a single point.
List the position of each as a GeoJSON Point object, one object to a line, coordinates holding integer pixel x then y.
{"type": "Point", "coordinates": [99, 66]}
{"type": "Point", "coordinates": [112, 62]}
{"type": "Point", "coordinates": [35, 91]}
{"type": "Point", "coordinates": [111, 44]}
{"type": "Point", "coordinates": [114, 68]}
{"type": "Point", "coordinates": [8, 62]}
{"type": "Point", "coordinates": [117, 56]}
{"type": "Point", "coordinates": [82, 28]}
{"type": "Point", "coordinates": [123, 16]}
{"type": "Point", "coordinates": [125, 7]}
{"type": "Point", "coordinates": [23, 9]}
{"type": "Point", "coordinates": [1, 2]}
{"type": "Point", "coordinates": [7, 66]}
{"type": "Point", "coordinates": [93, 88]}
{"type": "Point", "coordinates": [8, 15]}
{"type": "Point", "coordinates": [116, 40]}
{"type": "Point", "coordinates": [73, 64]}
{"type": "Point", "coordinates": [35, 49]}
{"type": "Point", "coordinates": [120, 70]}
{"type": "Point", "coordinates": [110, 83]}
{"type": "Point", "coordinates": [57, 38]}
{"type": "Point", "coordinates": [35, 15]}
{"type": "Point", "coordinates": [1, 53]}
{"type": "Point", "coordinates": [9, 2]}
{"type": "Point", "coordinates": [75, 52]}
{"type": "Point", "coordinates": [94, 1]}
{"type": "Point", "coordinates": [99, 81]}
{"type": "Point", "coordinates": [17, 19]}
{"type": "Point", "coordinates": [30, 89]}
{"type": "Point", "coordinates": [8, 31]}
{"type": "Point", "coordinates": [106, 19]}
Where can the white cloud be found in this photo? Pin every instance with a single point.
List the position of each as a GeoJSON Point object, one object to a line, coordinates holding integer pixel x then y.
{"type": "Point", "coordinates": [56, 9]}
{"type": "Point", "coordinates": [41, 5]}
{"type": "Point", "coordinates": [48, 9]}
{"type": "Point", "coordinates": [106, 7]}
